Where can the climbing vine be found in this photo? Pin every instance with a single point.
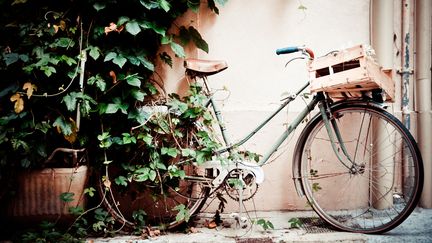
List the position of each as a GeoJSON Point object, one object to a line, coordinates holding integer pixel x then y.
{"type": "Point", "coordinates": [76, 74]}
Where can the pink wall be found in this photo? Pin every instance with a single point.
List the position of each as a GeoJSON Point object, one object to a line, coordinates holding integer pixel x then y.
{"type": "Point", "coordinates": [246, 35]}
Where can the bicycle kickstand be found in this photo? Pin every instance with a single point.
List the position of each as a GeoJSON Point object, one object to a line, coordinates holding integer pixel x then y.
{"type": "Point", "coordinates": [240, 220]}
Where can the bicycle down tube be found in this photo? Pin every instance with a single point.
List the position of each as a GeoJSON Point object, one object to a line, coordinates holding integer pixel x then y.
{"type": "Point", "coordinates": [309, 107]}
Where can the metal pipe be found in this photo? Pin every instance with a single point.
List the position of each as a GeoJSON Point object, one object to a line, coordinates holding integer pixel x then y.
{"type": "Point", "coordinates": [382, 32]}
{"type": "Point", "coordinates": [382, 42]}
{"type": "Point", "coordinates": [423, 93]}
{"type": "Point", "coordinates": [407, 64]}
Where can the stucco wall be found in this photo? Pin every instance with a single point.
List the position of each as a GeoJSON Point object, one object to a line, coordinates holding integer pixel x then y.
{"type": "Point", "coordinates": [246, 35]}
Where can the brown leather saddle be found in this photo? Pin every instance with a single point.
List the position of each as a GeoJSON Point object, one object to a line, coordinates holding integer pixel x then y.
{"type": "Point", "coordinates": [203, 68]}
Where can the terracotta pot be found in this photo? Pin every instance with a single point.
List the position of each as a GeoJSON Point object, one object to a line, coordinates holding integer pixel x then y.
{"type": "Point", "coordinates": [38, 193]}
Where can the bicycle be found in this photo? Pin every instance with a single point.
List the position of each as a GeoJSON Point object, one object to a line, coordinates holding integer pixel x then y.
{"type": "Point", "coordinates": [368, 183]}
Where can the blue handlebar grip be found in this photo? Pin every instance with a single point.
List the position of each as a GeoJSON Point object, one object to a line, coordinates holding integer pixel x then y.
{"type": "Point", "coordinates": [287, 50]}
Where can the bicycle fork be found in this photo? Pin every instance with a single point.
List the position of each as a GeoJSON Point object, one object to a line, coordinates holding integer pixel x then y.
{"type": "Point", "coordinates": [335, 137]}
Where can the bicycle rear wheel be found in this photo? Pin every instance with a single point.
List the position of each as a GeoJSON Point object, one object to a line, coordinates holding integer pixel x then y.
{"type": "Point", "coordinates": [161, 207]}
{"type": "Point", "coordinates": [385, 184]}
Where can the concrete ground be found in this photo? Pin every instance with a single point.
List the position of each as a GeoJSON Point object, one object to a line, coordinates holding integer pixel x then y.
{"type": "Point", "coordinates": [417, 228]}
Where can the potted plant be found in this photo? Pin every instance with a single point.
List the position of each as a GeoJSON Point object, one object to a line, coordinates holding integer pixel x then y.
{"type": "Point", "coordinates": [40, 66]}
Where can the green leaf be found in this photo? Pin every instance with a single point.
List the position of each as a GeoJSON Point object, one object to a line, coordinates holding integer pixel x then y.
{"type": "Point", "coordinates": [90, 191]}
{"type": "Point", "coordinates": [67, 196]}
{"type": "Point", "coordinates": [63, 125]}
{"type": "Point", "coordinates": [72, 98]}
{"type": "Point", "coordinates": [182, 214]}
{"type": "Point", "coordinates": [133, 60]}
{"type": "Point", "coordinates": [221, 2]}
{"type": "Point", "coordinates": [69, 61]}
{"type": "Point", "coordinates": [133, 81]}
{"type": "Point", "coordinates": [138, 94]}
{"type": "Point", "coordinates": [99, 81]}
{"type": "Point", "coordinates": [164, 4]}
{"type": "Point", "coordinates": [112, 108]}
{"type": "Point", "coordinates": [158, 29]}
{"type": "Point", "coordinates": [212, 6]}
{"type": "Point", "coordinates": [128, 138]}
{"type": "Point", "coordinates": [76, 210]}
{"type": "Point", "coordinates": [48, 70]}
{"type": "Point", "coordinates": [316, 187]}
{"type": "Point", "coordinates": [142, 174]}
{"type": "Point", "coordinates": [146, 63]}
{"type": "Point", "coordinates": [166, 40]}
{"type": "Point", "coordinates": [119, 60]}
{"type": "Point", "coordinates": [184, 35]}
{"type": "Point", "coordinates": [166, 58]}
{"type": "Point", "coordinates": [198, 40]}
{"type": "Point", "coordinates": [10, 58]}
{"type": "Point", "coordinates": [99, 6]}
{"type": "Point", "coordinates": [63, 42]}
{"type": "Point", "coordinates": [121, 181]}
{"type": "Point", "coordinates": [25, 163]}
{"type": "Point", "coordinates": [122, 20]}
{"type": "Point", "coordinates": [152, 175]}
{"type": "Point", "coordinates": [147, 138]}
{"type": "Point", "coordinates": [149, 4]}
{"type": "Point", "coordinates": [94, 52]}
{"type": "Point", "coordinates": [302, 7]}
{"type": "Point", "coordinates": [133, 27]}
{"type": "Point", "coordinates": [70, 102]}
{"type": "Point", "coordinates": [188, 152]}
{"type": "Point", "coordinates": [295, 223]}
{"type": "Point", "coordinates": [177, 49]}
{"type": "Point", "coordinates": [201, 157]}
{"type": "Point", "coordinates": [169, 151]}
{"type": "Point", "coordinates": [193, 5]}
{"type": "Point", "coordinates": [110, 56]}
{"type": "Point", "coordinates": [139, 115]}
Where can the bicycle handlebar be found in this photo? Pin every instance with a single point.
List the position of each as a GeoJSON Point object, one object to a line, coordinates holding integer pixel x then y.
{"type": "Point", "coordinates": [292, 49]}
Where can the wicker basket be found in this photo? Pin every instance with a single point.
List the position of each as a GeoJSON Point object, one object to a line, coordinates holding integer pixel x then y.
{"type": "Point", "coordinates": [350, 73]}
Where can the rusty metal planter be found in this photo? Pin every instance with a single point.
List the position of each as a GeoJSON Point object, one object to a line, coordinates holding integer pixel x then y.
{"type": "Point", "coordinates": [38, 193]}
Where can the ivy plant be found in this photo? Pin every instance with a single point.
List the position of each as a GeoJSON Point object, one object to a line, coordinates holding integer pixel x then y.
{"type": "Point", "coordinates": [76, 74]}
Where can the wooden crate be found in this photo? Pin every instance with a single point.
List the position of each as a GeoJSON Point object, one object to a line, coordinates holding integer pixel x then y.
{"type": "Point", "coordinates": [350, 72]}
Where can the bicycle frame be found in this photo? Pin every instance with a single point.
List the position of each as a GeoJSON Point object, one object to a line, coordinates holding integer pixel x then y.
{"type": "Point", "coordinates": [318, 99]}
{"type": "Point", "coordinates": [292, 126]}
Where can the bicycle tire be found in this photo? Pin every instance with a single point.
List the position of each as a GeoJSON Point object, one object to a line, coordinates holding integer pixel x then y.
{"type": "Point", "coordinates": [383, 192]}
{"type": "Point", "coordinates": [160, 211]}
{"type": "Point", "coordinates": [159, 201]}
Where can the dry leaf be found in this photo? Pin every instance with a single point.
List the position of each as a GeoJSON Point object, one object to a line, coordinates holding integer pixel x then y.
{"type": "Point", "coordinates": [120, 29]}
{"type": "Point", "coordinates": [113, 76]}
{"type": "Point", "coordinates": [110, 28]}
{"type": "Point", "coordinates": [19, 102]}
{"type": "Point", "coordinates": [71, 138]}
{"type": "Point", "coordinates": [30, 88]}
{"type": "Point", "coordinates": [56, 28]}
{"type": "Point", "coordinates": [193, 230]}
{"type": "Point", "coordinates": [62, 25]}
{"type": "Point", "coordinates": [151, 232]}
{"type": "Point", "coordinates": [107, 183]}
{"type": "Point", "coordinates": [212, 225]}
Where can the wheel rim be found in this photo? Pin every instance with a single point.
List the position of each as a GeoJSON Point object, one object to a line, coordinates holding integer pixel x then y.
{"type": "Point", "coordinates": [159, 208]}
{"type": "Point", "coordinates": [377, 195]}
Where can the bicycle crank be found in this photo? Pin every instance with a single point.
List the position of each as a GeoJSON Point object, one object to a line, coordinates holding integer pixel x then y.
{"type": "Point", "coordinates": [241, 179]}
{"type": "Point", "coordinates": [248, 173]}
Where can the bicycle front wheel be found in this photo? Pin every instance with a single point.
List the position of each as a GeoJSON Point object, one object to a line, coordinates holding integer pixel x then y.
{"type": "Point", "coordinates": [379, 180]}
